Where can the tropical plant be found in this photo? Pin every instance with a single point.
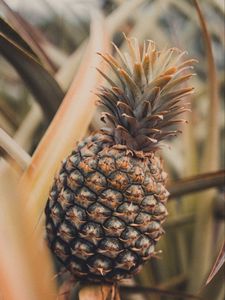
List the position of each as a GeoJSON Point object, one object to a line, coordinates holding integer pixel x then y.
{"type": "Point", "coordinates": [47, 79]}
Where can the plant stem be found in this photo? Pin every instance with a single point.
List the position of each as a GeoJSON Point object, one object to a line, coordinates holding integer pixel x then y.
{"type": "Point", "coordinates": [99, 292]}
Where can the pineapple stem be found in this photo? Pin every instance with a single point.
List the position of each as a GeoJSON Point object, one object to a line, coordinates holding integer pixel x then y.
{"type": "Point", "coordinates": [99, 292]}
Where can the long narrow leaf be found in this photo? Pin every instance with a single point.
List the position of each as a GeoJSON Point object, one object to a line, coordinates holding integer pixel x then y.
{"type": "Point", "coordinates": [68, 126]}
{"type": "Point", "coordinates": [215, 289]}
{"type": "Point", "coordinates": [11, 34]}
{"type": "Point", "coordinates": [196, 183]}
{"type": "Point", "coordinates": [28, 33]}
{"type": "Point", "coordinates": [42, 85]}
{"type": "Point", "coordinates": [24, 273]}
{"type": "Point", "coordinates": [218, 264]}
{"type": "Point", "coordinates": [13, 149]}
{"type": "Point", "coordinates": [203, 235]}
{"type": "Point", "coordinates": [211, 150]}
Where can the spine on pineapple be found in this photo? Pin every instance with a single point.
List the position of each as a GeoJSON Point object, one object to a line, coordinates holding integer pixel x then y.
{"type": "Point", "coordinates": [106, 207]}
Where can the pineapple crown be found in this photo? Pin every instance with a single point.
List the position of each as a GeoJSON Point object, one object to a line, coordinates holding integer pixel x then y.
{"type": "Point", "coordinates": [143, 103]}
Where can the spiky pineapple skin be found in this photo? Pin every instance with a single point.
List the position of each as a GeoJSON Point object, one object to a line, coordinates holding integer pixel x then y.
{"type": "Point", "coordinates": [105, 210]}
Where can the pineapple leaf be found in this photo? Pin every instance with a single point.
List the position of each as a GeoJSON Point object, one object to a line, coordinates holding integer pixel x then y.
{"type": "Point", "coordinates": [196, 183]}
{"type": "Point", "coordinates": [11, 34]}
{"type": "Point", "coordinates": [29, 34]}
{"type": "Point", "coordinates": [218, 264]}
{"type": "Point", "coordinates": [146, 83]}
{"type": "Point", "coordinates": [42, 85]}
{"type": "Point", "coordinates": [14, 150]}
{"type": "Point", "coordinates": [78, 105]}
{"type": "Point", "coordinates": [210, 162]}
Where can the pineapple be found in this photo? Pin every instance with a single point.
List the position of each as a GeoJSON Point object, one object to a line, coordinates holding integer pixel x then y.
{"type": "Point", "coordinates": [106, 207]}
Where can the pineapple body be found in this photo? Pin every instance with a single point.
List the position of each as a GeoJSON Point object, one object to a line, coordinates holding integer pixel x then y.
{"type": "Point", "coordinates": [106, 207]}
{"type": "Point", "coordinates": [105, 210]}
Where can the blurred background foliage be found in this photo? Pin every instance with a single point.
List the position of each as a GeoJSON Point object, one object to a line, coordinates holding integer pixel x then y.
{"type": "Point", "coordinates": [48, 58]}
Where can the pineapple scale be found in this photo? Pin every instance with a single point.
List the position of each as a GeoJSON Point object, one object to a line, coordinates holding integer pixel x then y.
{"type": "Point", "coordinates": [105, 210]}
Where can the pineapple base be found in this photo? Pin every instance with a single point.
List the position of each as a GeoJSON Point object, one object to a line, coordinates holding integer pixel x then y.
{"type": "Point", "coordinates": [105, 210]}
